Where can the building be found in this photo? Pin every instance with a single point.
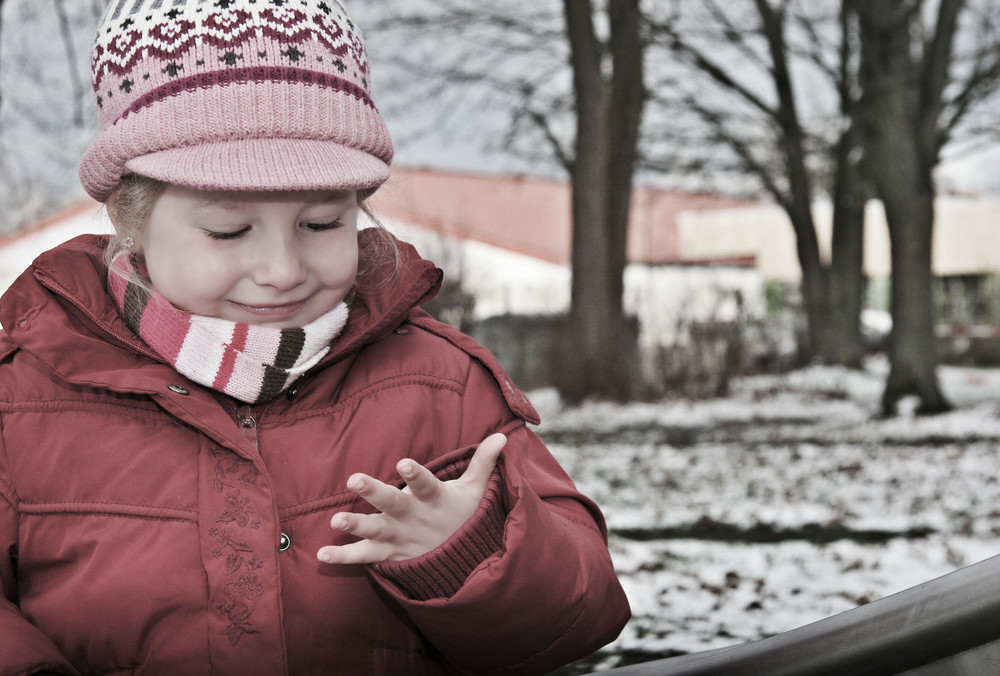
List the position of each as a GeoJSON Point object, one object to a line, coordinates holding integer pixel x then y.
{"type": "Point", "coordinates": [966, 251]}
{"type": "Point", "coordinates": [506, 240]}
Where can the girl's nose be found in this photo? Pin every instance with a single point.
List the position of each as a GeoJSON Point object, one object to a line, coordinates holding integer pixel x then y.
{"type": "Point", "coordinates": [280, 265]}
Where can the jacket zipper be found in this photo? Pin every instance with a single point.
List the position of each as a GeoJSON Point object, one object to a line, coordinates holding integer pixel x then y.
{"type": "Point", "coordinates": [247, 422]}
{"type": "Point", "coordinates": [245, 418]}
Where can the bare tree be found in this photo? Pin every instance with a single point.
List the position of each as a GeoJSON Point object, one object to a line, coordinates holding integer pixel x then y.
{"type": "Point", "coordinates": [589, 129]}
{"type": "Point", "coordinates": [609, 97]}
{"type": "Point", "coordinates": [911, 98]}
{"type": "Point", "coordinates": [850, 191]}
{"type": "Point", "coordinates": [743, 54]}
{"type": "Point", "coordinates": [904, 75]}
{"type": "Point", "coordinates": [776, 83]}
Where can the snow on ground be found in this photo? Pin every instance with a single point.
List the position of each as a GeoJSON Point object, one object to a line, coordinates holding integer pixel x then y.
{"type": "Point", "coordinates": [736, 518]}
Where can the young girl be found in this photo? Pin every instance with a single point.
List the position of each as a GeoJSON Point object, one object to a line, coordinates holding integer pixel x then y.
{"type": "Point", "coordinates": [230, 440]}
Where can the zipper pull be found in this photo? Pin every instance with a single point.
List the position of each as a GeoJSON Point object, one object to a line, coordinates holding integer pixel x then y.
{"type": "Point", "coordinates": [244, 417]}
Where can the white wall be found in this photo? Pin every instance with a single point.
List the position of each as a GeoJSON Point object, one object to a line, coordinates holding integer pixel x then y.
{"type": "Point", "coordinates": [503, 281]}
{"type": "Point", "coordinates": [18, 251]}
{"type": "Point", "coordinates": [664, 297]}
{"type": "Point", "coordinates": [670, 297]}
{"type": "Point", "coordinates": [966, 237]}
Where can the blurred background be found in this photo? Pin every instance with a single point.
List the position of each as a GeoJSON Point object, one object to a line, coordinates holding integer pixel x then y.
{"type": "Point", "coordinates": [744, 255]}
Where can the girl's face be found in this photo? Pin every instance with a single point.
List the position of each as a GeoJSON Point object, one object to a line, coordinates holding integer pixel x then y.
{"type": "Point", "coordinates": [276, 259]}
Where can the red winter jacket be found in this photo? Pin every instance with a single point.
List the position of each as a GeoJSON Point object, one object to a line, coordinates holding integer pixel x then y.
{"type": "Point", "coordinates": [141, 514]}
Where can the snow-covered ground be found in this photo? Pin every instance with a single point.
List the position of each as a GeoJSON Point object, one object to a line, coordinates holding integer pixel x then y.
{"type": "Point", "coordinates": [737, 518]}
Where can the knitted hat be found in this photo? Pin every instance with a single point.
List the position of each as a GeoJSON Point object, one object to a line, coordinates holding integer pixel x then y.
{"type": "Point", "coordinates": [234, 95]}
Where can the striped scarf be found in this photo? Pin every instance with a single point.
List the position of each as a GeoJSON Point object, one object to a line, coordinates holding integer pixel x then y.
{"type": "Point", "coordinates": [250, 363]}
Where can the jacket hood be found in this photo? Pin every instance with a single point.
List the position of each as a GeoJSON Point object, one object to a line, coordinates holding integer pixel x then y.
{"type": "Point", "coordinates": [59, 309]}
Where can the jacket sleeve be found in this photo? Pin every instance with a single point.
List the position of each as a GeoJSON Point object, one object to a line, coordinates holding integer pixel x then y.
{"type": "Point", "coordinates": [527, 584]}
{"type": "Point", "coordinates": [24, 649]}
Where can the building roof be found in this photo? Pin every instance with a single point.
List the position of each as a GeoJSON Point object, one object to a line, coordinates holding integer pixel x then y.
{"type": "Point", "coordinates": [531, 215]}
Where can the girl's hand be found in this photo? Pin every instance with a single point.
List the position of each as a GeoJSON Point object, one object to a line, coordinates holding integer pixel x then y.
{"type": "Point", "coordinates": [416, 519]}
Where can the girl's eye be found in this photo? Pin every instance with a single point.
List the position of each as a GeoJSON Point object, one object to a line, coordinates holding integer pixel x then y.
{"type": "Point", "coordinates": [322, 227]}
{"type": "Point", "coordinates": [234, 234]}
{"type": "Point", "coordinates": [228, 235]}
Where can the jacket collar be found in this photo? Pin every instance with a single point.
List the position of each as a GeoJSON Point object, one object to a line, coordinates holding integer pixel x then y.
{"type": "Point", "coordinates": [59, 311]}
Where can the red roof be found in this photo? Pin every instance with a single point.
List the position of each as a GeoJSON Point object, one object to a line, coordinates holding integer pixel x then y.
{"type": "Point", "coordinates": [530, 215]}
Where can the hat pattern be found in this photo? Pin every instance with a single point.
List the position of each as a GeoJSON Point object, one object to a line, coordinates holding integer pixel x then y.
{"type": "Point", "coordinates": [150, 49]}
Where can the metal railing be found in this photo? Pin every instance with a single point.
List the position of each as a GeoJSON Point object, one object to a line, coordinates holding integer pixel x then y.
{"type": "Point", "coordinates": [949, 625]}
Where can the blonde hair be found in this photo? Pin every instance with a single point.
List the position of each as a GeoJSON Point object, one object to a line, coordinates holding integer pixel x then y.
{"type": "Point", "coordinates": [131, 203]}
{"type": "Point", "coordinates": [129, 206]}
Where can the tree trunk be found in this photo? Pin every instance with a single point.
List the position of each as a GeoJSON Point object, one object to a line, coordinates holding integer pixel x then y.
{"type": "Point", "coordinates": [902, 151]}
{"type": "Point", "coordinates": [849, 193]}
{"type": "Point", "coordinates": [598, 354]}
{"type": "Point", "coordinates": [913, 346]}
{"type": "Point", "coordinates": [847, 256]}
{"type": "Point", "coordinates": [815, 285]}
{"type": "Point", "coordinates": [798, 204]}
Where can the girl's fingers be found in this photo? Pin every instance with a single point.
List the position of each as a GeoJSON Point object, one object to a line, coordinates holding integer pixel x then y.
{"type": "Point", "coordinates": [425, 486]}
{"type": "Point", "coordinates": [367, 526]}
{"type": "Point", "coordinates": [421, 481]}
{"type": "Point", "coordinates": [356, 552]}
{"type": "Point", "coordinates": [381, 496]}
{"type": "Point", "coordinates": [484, 460]}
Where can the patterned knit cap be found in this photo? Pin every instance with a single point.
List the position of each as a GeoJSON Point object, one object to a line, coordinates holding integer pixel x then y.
{"type": "Point", "coordinates": [234, 95]}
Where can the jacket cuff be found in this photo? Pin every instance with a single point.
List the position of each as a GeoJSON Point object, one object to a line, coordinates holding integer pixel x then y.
{"type": "Point", "coordinates": [442, 571]}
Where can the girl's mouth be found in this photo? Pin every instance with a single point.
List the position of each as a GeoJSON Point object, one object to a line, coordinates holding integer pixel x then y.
{"type": "Point", "coordinates": [272, 310]}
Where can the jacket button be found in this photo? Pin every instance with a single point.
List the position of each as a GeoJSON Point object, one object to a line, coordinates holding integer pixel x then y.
{"type": "Point", "coordinates": [178, 389]}
{"type": "Point", "coordinates": [284, 542]}
{"type": "Point", "coordinates": [292, 392]}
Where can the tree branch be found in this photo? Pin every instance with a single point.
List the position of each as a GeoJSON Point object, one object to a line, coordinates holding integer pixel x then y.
{"type": "Point", "coordinates": [713, 70]}
{"type": "Point", "coordinates": [743, 150]}
{"type": "Point", "coordinates": [735, 36]}
{"type": "Point", "coordinates": [934, 76]}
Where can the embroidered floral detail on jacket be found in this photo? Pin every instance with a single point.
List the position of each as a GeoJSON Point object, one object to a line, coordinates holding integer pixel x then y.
{"type": "Point", "coordinates": [245, 587]}
{"type": "Point", "coordinates": [247, 474]}
{"type": "Point", "coordinates": [230, 474]}
{"type": "Point", "coordinates": [240, 511]}
{"type": "Point", "coordinates": [238, 613]}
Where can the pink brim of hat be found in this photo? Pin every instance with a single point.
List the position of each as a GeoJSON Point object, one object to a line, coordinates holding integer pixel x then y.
{"type": "Point", "coordinates": [264, 164]}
